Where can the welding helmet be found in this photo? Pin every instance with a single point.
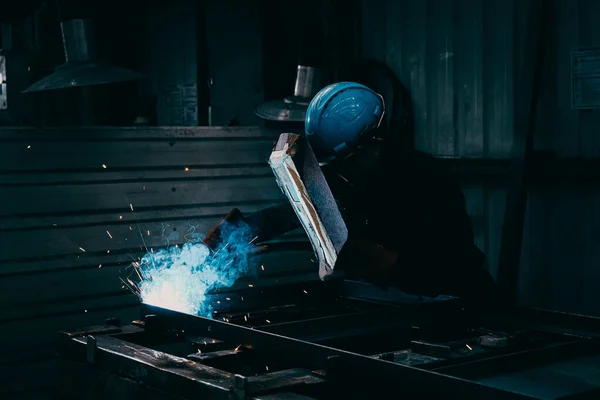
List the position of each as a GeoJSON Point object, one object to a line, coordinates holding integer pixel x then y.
{"type": "Point", "coordinates": [340, 117]}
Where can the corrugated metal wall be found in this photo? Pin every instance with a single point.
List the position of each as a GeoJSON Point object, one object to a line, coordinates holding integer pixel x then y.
{"type": "Point", "coordinates": [78, 205]}
{"type": "Point", "coordinates": [233, 49]}
{"type": "Point", "coordinates": [457, 59]}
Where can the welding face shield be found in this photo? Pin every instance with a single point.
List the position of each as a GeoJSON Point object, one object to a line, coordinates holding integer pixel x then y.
{"type": "Point", "coordinates": [341, 118]}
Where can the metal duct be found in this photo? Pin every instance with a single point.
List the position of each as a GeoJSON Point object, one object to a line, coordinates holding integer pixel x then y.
{"type": "Point", "coordinates": [81, 67]}
{"type": "Point", "coordinates": [309, 81]}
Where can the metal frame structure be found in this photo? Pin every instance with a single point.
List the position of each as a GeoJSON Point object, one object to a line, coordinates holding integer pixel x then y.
{"type": "Point", "coordinates": [312, 366]}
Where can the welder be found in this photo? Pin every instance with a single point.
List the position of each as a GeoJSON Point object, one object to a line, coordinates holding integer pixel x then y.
{"type": "Point", "coordinates": [406, 217]}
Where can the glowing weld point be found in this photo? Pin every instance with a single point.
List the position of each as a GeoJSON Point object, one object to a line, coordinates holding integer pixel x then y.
{"type": "Point", "coordinates": [29, 146]}
{"type": "Point", "coordinates": [120, 217]}
{"type": "Point", "coordinates": [131, 206]}
{"type": "Point", "coordinates": [218, 302]}
{"type": "Point", "coordinates": [238, 348]}
{"type": "Point", "coordinates": [469, 347]}
{"type": "Point", "coordinates": [104, 166]}
{"type": "Point", "coordinates": [214, 341]}
{"type": "Point", "coordinates": [186, 169]}
{"type": "Point", "coordinates": [82, 249]}
{"type": "Point", "coordinates": [109, 235]}
{"type": "Point", "coordinates": [84, 310]}
{"type": "Point", "coordinates": [107, 251]}
{"type": "Point", "coordinates": [268, 322]}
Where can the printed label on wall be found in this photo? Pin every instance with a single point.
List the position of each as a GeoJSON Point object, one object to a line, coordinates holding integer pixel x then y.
{"type": "Point", "coordinates": [182, 105]}
{"type": "Point", "coordinates": [586, 78]}
{"type": "Point", "coordinates": [3, 97]}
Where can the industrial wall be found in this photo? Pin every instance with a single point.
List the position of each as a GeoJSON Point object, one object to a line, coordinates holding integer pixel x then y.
{"type": "Point", "coordinates": [79, 205]}
{"type": "Point", "coordinates": [458, 60]}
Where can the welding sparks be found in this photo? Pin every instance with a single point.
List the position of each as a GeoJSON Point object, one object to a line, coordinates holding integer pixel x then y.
{"type": "Point", "coordinates": [148, 233]}
{"type": "Point", "coordinates": [180, 277]}
{"type": "Point", "coordinates": [29, 146]}
{"type": "Point", "coordinates": [120, 217]}
{"type": "Point", "coordinates": [82, 249]}
{"type": "Point", "coordinates": [100, 266]}
{"type": "Point", "coordinates": [268, 322]}
{"type": "Point", "coordinates": [253, 239]}
{"type": "Point", "coordinates": [469, 347]}
{"type": "Point", "coordinates": [131, 206]}
{"type": "Point", "coordinates": [250, 285]}
{"type": "Point", "coordinates": [245, 318]}
{"type": "Point", "coordinates": [186, 169]}
{"type": "Point", "coordinates": [262, 267]}
{"type": "Point", "coordinates": [305, 292]}
{"type": "Point", "coordinates": [104, 166]}
{"type": "Point", "coordinates": [109, 235]}
{"type": "Point", "coordinates": [267, 367]}
{"type": "Point", "coordinates": [237, 348]}
{"type": "Point", "coordinates": [107, 251]}
{"type": "Point", "coordinates": [227, 298]}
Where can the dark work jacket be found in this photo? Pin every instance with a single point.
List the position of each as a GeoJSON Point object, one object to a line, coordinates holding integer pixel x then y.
{"type": "Point", "coordinates": [408, 204]}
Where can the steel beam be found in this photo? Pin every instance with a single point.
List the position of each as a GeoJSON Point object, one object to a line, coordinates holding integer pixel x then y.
{"type": "Point", "coordinates": [351, 365]}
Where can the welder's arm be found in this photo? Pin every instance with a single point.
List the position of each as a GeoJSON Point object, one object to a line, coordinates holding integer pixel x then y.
{"type": "Point", "coordinates": [265, 224]}
{"type": "Point", "coordinates": [273, 221]}
{"type": "Point", "coordinates": [361, 259]}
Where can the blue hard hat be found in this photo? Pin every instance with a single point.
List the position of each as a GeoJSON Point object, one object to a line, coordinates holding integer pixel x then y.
{"type": "Point", "coordinates": [339, 116]}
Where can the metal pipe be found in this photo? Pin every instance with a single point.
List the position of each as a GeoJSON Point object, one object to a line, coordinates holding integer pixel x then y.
{"type": "Point", "coordinates": [78, 40]}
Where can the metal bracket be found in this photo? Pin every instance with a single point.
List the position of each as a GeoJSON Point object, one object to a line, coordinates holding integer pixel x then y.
{"type": "Point", "coordinates": [91, 349]}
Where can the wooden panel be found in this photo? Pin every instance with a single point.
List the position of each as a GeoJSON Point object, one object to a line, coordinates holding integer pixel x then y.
{"type": "Point", "coordinates": [468, 78]}
{"type": "Point", "coordinates": [128, 197]}
{"type": "Point", "coordinates": [375, 31]}
{"type": "Point", "coordinates": [235, 67]}
{"type": "Point", "coordinates": [565, 141]}
{"type": "Point", "coordinates": [24, 290]}
{"type": "Point", "coordinates": [416, 57]}
{"type": "Point", "coordinates": [131, 175]}
{"type": "Point", "coordinates": [110, 218]}
{"type": "Point", "coordinates": [498, 38]}
{"type": "Point", "coordinates": [590, 237]}
{"type": "Point", "coordinates": [494, 205]}
{"type": "Point", "coordinates": [27, 337]}
{"type": "Point", "coordinates": [439, 139]}
{"type": "Point", "coordinates": [153, 133]}
{"type": "Point", "coordinates": [589, 35]}
{"type": "Point", "coordinates": [75, 155]}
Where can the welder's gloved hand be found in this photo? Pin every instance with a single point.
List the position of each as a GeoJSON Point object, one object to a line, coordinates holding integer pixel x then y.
{"type": "Point", "coordinates": [363, 260]}
{"type": "Point", "coordinates": [213, 238]}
